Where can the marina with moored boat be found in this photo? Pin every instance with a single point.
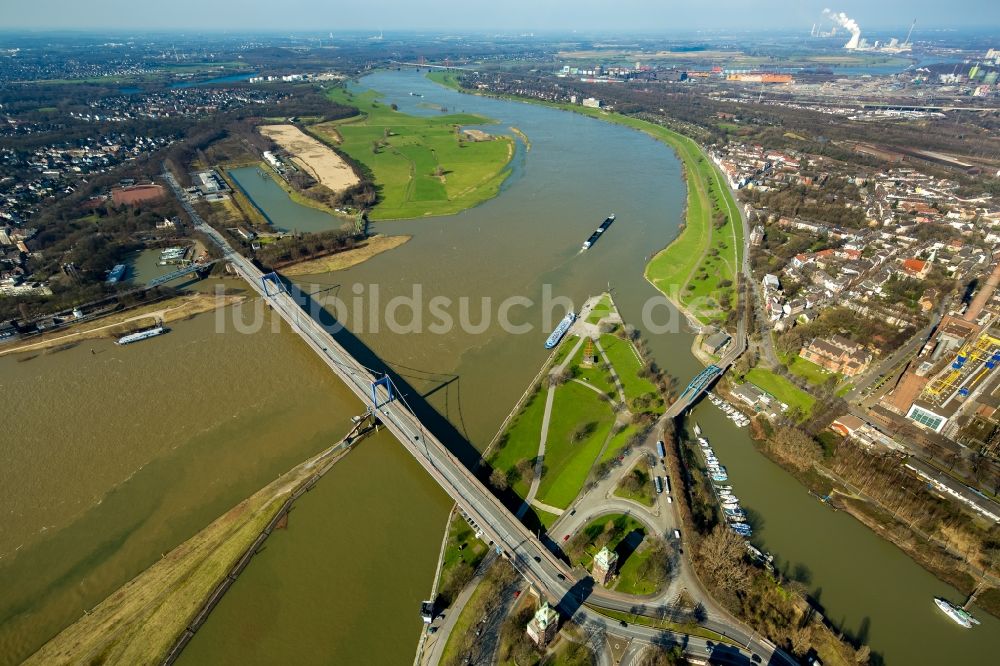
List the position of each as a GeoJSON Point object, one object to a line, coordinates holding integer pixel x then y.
{"type": "Point", "coordinates": [732, 413]}
{"type": "Point", "coordinates": [735, 517]}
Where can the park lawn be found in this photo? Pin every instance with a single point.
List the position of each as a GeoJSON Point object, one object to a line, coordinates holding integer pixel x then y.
{"type": "Point", "coordinates": [624, 525]}
{"type": "Point", "coordinates": [647, 494]}
{"type": "Point", "coordinates": [629, 579]}
{"type": "Point", "coordinates": [416, 147]}
{"type": "Point", "coordinates": [594, 375]}
{"type": "Point", "coordinates": [782, 389]}
{"type": "Point", "coordinates": [808, 370]}
{"type": "Point", "coordinates": [601, 310]}
{"type": "Point", "coordinates": [544, 517]}
{"type": "Point", "coordinates": [462, 546]}
{"type": "Point", "coordinates": [523, 435]}
{"type": "Point", "coordinates": [627, 364]}
{"type": "Point", "coordinates": [564, 348]}
{"type": "Point", "coordinates": [567, 463]}
{"type": "Point", "coordinates": [618, 442]}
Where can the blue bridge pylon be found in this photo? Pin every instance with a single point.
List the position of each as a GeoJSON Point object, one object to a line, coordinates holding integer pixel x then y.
{"type": "Point", "coordinates": [378, 398]}
{"type": "Point", "coordinates": [272, 284]}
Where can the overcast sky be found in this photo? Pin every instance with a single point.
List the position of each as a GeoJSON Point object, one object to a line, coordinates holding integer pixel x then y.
{"type": "Point", "coordinates": [541, 15]}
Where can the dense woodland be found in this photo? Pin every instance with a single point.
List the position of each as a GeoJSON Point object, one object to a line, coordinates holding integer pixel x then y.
{"type": "Point", "coordinates": [301, 247]}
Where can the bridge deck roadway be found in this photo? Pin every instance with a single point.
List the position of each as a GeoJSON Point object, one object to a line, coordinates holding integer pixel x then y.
{"type": "Point", "coordinates": [526, 552]}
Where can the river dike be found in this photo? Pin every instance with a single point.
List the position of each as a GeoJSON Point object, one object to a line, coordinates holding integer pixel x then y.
{"type": "Point", "coordinates": [159, 611]}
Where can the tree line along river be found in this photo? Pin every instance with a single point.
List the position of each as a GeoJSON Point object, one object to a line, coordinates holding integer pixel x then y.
{"type": "Point", "coordinates": [190, 423]}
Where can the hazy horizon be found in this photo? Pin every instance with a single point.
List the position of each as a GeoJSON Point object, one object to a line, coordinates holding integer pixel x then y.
{"type": "Point", "coordinates": [637, 16]}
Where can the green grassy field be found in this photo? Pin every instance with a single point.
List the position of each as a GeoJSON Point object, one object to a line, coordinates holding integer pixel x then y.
{"type": "Point", "coordinates": [462, 546]}
{"type": "Point", "coordinates": [844, 390]}
{"type": "Point", "coordinates": [545, 518]}
{"type": "Point", "coordinates": [646, 494]}
{"type": "Point", "coordinates": [564, 348]}
{"type": "Point", "coordinates": [447, 79]}
{"type": "Point", "coordinates": [601, 309]}
{"type": "Point", "coordinates": [575, 404]}
{"type": "Point", "coordinates": [627, 364]}
{"type": "Point", "coordinates": [523, 435]}
{"type": "Point", "coordinates": [420, 164]}
{"type": "Point", "coordinates": [618, 442]}
{"type": "Point", "coordinates": [568, 463]}
{"type": "Point", "coordinates": [593, 375]}
{"type": "Point", "coordinates": [808, 370]}
{"type": "Point", "coordinates": [782, 389]}
{"type": "Point", "coordinates": [630, 581]}
{"type": "Point", "coordinates": [623, 526]}
{"type": "Point", "coordinates": [703, 262]}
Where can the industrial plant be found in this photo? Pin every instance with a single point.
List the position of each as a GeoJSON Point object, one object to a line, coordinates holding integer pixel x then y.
{"type": "Point", "coordinates": [857, 42]}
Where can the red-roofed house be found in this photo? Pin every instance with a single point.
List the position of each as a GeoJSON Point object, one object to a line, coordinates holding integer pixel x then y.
{"type": "Point", "coordinates": [916, 268]}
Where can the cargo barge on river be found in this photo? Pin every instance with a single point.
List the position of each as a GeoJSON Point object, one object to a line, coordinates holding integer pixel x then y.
{"type": "Point", "coordinates": [600, 230]}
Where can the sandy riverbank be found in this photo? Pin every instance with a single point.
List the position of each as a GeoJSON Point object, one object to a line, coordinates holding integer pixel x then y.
{"type": "Point", "coordinates": [323, 164]}
{"type": "Point", "coordinates": [341, 260]}
{"type": "Point", "coordinates": [523, 137]}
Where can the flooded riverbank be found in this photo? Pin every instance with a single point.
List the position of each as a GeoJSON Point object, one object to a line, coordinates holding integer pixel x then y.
{"type": "Point", "coordinates": [119, 455]}
{"type": "Point", "coordinates": [195, 421]}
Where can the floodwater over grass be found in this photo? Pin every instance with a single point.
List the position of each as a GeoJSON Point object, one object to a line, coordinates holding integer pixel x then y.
{"type": "Point", "coordinates": [388, 544]}
{"type": "Point", "coordinates": [120, 453]}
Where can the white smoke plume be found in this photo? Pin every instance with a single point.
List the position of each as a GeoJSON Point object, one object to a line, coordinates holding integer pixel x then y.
{"type": "Point", "coordinates": [849, 24]}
